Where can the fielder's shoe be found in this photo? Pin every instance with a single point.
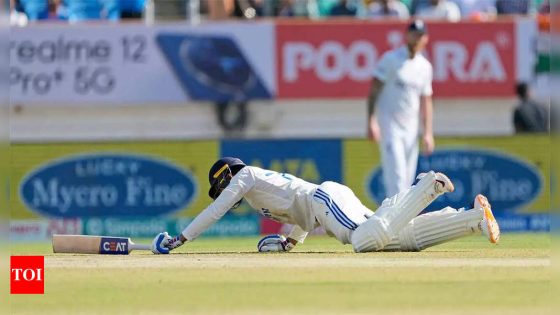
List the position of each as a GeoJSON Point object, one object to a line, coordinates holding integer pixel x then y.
{"type": "Point", "coordinates": [489, 225]}
{"type": "Point", "coordinates": [443, 183]}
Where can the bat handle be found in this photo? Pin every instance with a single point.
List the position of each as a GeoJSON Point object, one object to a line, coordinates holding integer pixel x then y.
{"type": "Point", "coordinates": [133, 246]}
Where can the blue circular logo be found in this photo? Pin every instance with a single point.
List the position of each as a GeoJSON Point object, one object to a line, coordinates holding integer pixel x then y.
{"type": "Point", "coordinates": [508, 182]}
{"type": "Point", "coordinates": [107, 185]}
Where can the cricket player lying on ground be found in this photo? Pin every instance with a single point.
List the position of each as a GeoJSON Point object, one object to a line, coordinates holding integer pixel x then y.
{"type": "Point", "coordinates": [395, 225]}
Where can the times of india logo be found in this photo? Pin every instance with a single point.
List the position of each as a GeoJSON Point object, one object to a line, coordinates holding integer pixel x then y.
{"type": "Point", "coordinates": [27, 275]}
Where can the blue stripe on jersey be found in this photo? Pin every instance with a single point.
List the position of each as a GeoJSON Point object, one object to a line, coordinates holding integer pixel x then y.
{"type": "Point", "coordinates": [336, 210]}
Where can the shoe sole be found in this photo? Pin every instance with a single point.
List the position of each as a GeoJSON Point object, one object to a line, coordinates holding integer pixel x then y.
{"type": "Point", "coordinates": [491, 223]}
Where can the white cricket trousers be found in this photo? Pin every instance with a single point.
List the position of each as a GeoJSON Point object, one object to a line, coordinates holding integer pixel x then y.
{"type": "Point", "coordinates": [340, 213]}
{"type": "Point", "coordinates": [338, 210]}
{"type": "Point", "coordinates": [399, 158]}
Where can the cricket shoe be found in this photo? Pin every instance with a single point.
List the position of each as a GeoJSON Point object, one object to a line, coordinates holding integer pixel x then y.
{"type": "Point", "coordinates": [488, 225]}
{"type": "Point", "coordinates": [443, 183]}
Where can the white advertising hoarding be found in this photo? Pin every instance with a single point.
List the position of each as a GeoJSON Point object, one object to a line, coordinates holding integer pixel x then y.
{"type": "Point", "coordinates": [136, 64]}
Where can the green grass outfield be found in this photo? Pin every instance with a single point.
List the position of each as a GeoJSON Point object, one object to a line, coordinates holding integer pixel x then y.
{"type": "Point", "coordinates": [227, 276]}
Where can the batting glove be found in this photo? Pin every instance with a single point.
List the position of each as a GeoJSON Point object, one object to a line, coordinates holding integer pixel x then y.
{"type": "Point", "coordinates": [160, 243]}
{"type": "Point", "coordinates": [274, 243]}
{"type": "Point", "coordinates": [175, 242]}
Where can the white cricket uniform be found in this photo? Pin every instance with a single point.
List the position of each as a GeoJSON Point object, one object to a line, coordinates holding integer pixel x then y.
{"type": "Point", "coordinates": [398, 112]}
{"type": "Point", "coordinates": [287, 199]}
{"type": "Point", "coordinates": [394, 226]}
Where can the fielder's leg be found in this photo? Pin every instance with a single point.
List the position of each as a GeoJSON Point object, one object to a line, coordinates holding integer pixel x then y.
{"type": "Point", "coordinates": [411, 149]}
{"type": "Point", "coordinates": [446, 225]}
{"type": "Point", "coordinates": [396, 212]}
{"type": "Point", "coordinates": [393, 163]}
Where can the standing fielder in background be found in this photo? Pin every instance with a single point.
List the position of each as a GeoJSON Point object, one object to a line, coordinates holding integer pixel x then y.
{"type": "Point", "coordinates": [401, 92]}
{"type": "Point", "coordinates": [288, 199]}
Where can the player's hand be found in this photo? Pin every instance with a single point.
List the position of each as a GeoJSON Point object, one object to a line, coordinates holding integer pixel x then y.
{"type": "Point", "coordinates": [160, 243]}
{"type": "Point", "coordinates": [374, 132]}
{"type": "Point", "coordinates": [274, 243]}
{"type": "Point", "coordinates": [428, 144]}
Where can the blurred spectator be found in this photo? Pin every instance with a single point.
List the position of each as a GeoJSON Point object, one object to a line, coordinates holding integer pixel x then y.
{"type": "Point", "coordinates": [514, 7]}
{"type": "Point", "coordinates": [84, 10]}
{"type": "Point", "coordinates": [110, 9]}
{"type": "Point", "coordinates": [243, 9]}
{"type": "Point", "coordinates": [440, 10]}
{"type": "Point", "coordinates": [131, 9]}
{"type": "Point", "coordinates": [303, 8]}
{"type": "Point", "coordinates": [325, 6]}
{"type": "Point", "coordinates": [478, 9]}
{"type": "Point", "coordinates": [388, 9]}
{"type": "Point", "coordinates": [218, 9]}
{"type": "Point", "coordinates": [285, 8]}
{"type": "Point", "coordinates": [17, 17]}
{"type": "Point", "coordinates": [343, 8]}
{"type": "Point", "coordinates": [407, 3]}
{"type": "Point", "coordinates": [35, 9]}
{"type": "Point", "coordinates": [529, 116]}
{"type": "Point", "coordinates": [544, 7]}
{"type": "Point", "coordinates": [415, 5]}
{"type": "Point", "coordinates": [247, 9]}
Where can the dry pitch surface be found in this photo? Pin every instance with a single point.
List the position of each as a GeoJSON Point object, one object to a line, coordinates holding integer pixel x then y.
{"type": "Point", "coordinates": [226, 276]}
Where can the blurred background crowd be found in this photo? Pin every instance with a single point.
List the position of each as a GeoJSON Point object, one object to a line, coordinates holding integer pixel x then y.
{"type": "Point", "coordinates": [29, 11]}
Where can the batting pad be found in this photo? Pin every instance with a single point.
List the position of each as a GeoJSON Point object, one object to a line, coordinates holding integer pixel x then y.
{"type": "Point", "coordinates": [436, 227]}
{"type": "Point", "coordinates": [394, 214]}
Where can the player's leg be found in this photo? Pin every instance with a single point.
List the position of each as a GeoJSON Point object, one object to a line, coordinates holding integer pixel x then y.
{"type": "Point", "coordinates": [396, 212]}
{"type": "Point", "coordinates": [445, 225]}
{"type": "Point", "coordinates": [338, 210]}
{"type": "Point", "coordinates": [411, 153]}
{"type": "Point", "coordinates": [393, 164]}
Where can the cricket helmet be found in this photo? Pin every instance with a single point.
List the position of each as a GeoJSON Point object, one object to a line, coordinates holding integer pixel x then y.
{"type": "Point", "coordinates": [221, 173]}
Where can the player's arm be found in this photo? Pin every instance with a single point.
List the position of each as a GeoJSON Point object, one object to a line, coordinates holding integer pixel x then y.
{"type": "Point", "coordinates": [379, 76]}
{"type": "Point", "coordinates": [373, 128]}
{"type": "Point", "coordinates": [427, 112]}
{"type": "Point", "coordinates": [240, 184]}
{"type": "Point", "coordinates": [297, 235]}
{"type": "Point", "coordinates": [427, 116]}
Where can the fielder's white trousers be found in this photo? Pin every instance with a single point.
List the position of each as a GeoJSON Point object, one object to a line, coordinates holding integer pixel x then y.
{"type": "Point", "coordinates": [399, 158]}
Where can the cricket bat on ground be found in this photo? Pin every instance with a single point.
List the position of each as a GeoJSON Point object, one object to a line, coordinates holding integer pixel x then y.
{"type": "Point", "coordinates": [88, 244]}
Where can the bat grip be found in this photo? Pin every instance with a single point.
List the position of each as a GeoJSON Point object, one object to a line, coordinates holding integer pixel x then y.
{"type": "Point", "coordinates": [140, 247]}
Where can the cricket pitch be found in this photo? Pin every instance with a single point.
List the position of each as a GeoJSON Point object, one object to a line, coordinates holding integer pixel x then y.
{"type": "Point", "coordinates": [227, 276]}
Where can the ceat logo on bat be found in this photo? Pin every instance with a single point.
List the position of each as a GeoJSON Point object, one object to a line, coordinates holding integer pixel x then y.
{"type": "Point", "coordinates": [114, 246]}
{"type": "Point", "coordinates": [27, 275]}
{"type": "Point", "coordinates": [338, 59]}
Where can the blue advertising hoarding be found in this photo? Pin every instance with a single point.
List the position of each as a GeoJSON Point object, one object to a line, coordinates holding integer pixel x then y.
{"type": "Point", "coordinates": [312, 160]}
{"type": "Point", "coordinates": [107, 184]}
